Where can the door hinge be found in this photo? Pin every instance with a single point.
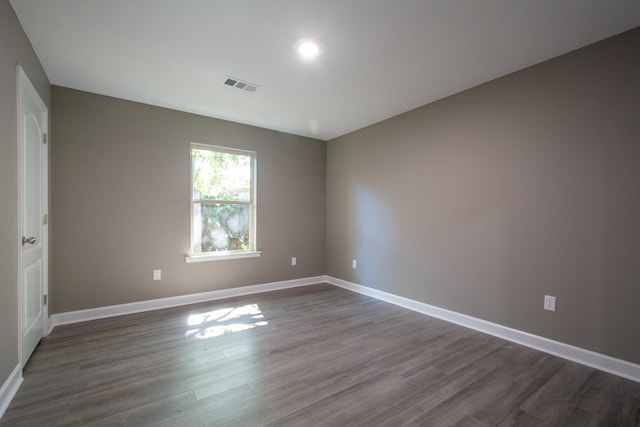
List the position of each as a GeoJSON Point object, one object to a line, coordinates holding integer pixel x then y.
{"type": "Point", "coordinates": [44, 138]}
{"type": "Point", "coordinates": [45, 219]}
{"type": "Point", "coordinates": [44, 299]}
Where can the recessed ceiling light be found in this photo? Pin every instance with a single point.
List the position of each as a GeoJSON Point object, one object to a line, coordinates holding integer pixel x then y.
{"type": "Point", "coordinates": [308, 49]}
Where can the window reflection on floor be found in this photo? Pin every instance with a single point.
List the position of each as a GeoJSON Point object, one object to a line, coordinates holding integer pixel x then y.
{"type": "Point", "coordinates": [225, 320]}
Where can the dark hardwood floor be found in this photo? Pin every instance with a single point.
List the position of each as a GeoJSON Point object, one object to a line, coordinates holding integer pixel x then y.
{"type": "Point", "coordinates": [310, 356]}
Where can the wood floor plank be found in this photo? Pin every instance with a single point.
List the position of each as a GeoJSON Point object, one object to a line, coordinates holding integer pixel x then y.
{"type": "Point", "coordinates": [553, 400]}
{"type": "Point", "coordinates": [317, 355]}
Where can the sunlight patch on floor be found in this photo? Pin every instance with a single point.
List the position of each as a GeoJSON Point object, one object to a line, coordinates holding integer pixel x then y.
{"type": "Point", "coordinates": [225, 320]}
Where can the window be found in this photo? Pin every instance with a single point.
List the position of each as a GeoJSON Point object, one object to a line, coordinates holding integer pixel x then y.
{"type": "Point", "coordinates": [223, 208]}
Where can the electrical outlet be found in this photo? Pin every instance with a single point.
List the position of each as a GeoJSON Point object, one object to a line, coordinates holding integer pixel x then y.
{"type": "Point", "coordinates": [549, 303]}
{"type": "Point", "coordinates": [294, 261]}
{"type": "Point", "coordinates": [354, 264]}
{"type": "Point", "coordinates": [157, 274]}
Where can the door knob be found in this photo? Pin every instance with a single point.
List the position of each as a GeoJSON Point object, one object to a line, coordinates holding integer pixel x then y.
{"type": "Point", "coordinates": [29, 240]}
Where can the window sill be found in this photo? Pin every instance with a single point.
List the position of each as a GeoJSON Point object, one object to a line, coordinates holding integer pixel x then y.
{"type": "Point", "coordinates": [219, 257]}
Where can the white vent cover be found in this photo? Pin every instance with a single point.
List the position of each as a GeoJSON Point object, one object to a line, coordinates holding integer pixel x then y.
{"type": "Point", "coordinates": [240, 84]}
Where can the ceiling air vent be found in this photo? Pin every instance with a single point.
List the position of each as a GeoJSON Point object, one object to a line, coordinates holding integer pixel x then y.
{"type": "Point", "coordinates": [240, 84]}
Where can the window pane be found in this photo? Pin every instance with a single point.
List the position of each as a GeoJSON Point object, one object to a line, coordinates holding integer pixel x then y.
{"type": "Point", "coordinates": [220, 227]}
{"type": "Point", "coordinates": [220, 176]}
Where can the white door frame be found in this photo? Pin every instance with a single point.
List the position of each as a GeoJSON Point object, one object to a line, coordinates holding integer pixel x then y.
{"type": "Point", "coordinates": [24, 86]}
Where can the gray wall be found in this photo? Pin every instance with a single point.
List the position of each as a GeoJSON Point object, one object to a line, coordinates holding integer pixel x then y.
{"type": "Point", "coordinates": [14, 49]}
{"type": "Point", "coordinates": [485, 201]}
{"type": "Point", "coordinates": [120, 202]}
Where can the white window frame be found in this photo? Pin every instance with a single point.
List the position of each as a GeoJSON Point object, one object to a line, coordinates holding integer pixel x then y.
{"type": "Point", "coordinates": [222, 255]}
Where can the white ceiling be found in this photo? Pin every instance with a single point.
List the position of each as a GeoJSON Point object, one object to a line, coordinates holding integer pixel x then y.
{"type": "Point", "coordinates": [379, 57]}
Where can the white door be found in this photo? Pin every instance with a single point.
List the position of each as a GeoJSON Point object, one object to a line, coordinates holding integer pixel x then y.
{"type": "Point", "coordinates": [32, 216]}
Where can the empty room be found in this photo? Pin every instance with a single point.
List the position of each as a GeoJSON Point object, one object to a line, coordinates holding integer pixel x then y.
{"type": "Point", "coordinates": [301, 213]}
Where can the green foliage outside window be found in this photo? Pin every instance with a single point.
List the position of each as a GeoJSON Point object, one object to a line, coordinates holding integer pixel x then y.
{"type": "Point", "coordinates": [221, 200]}
{"type": "Point", "coordinates": [221, 176]}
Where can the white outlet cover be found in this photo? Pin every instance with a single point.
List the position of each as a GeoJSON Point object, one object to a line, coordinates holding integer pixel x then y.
{"type": "Point", "coordinates": [294, 260]}
{"type": "Point", "coordinates": [354, 264]}
{"type": "Point", "coordinates": [157, 274]}
{"type": "Point", "coordinates": [549, 303]}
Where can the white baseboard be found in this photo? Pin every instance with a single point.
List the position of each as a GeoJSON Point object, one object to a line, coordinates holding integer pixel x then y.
{"type": "Point", "coordinates": [10, 388]}
{"type": "Point", "coordinates": [589, 358]}
{"type": "Point", "coordinates": [138, 307]}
